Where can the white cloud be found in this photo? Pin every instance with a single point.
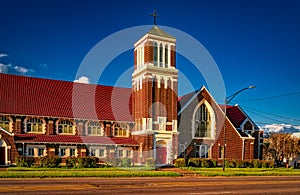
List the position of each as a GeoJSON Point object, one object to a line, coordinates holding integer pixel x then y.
{"type": "Point", "coordinates": [83, 79]}
{"type": "Point", "coordinates": [2, 55]}
{"type": "Point", "coordinates": [4, 68]}
{"type": "Point", "coordinates": [22, 70]}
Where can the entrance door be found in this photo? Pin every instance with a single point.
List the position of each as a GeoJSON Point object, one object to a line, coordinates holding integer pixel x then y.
{"type": "Point", "coordinates": [161, 155]}
{"type": "Point", "coordinates": [2, 155]}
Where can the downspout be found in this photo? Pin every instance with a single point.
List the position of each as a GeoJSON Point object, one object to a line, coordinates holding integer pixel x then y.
{"type": "Point", "coordinates": [23, 150]}
{"type": "Point", "coordinates": [243, 149]}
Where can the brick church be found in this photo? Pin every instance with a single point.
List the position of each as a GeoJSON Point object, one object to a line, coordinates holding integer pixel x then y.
{"type": "Point", "coordinates": [147, 121]}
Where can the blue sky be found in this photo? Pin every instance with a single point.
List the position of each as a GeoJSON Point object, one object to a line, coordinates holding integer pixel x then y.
{"type": "Point", "coordinates": [252, 42]}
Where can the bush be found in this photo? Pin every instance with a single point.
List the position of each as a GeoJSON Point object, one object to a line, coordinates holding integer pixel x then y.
{"type": "Point", "coordinates": [256, 163]}
{"type": "Point", "coordinates": [194, 162]}
{"type": "Point", "coordinates": [240, 164]}
{"type": "Point", "coordinates": [24, 161]}
{"type": "Point", "coordinates": [267, 164]}
{"type": "Point", "coordinates": [87, 162]}
{"type": "Point", "coordinates": [248, 164]}
{"type": "Point", "coordinates": [230, 163]}
{"type": "Point", "coordinates": [126, 162]}
{"type": "Point", "coordinates": [50, 162]}
{"type": "Point", "coordinates": [115, 162]}
{"type": "Point", "coordinates": [207, 163]}
{"type": "Point", "coordinates": [150, 163]}
{"type": "Point", "coordinates": [214, 162]}
{"type": "Point", "coordinates": [180, 162]}
{"type": "Point", "coordinates": [71, 162]}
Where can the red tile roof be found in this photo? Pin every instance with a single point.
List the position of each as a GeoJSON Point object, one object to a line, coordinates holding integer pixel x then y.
{"type": "Point", "coordinates": [45, 97]}
{"type": "Point", "coordinates": [235, 115]}
{"type": "Point", "coordinates": [73, 139]}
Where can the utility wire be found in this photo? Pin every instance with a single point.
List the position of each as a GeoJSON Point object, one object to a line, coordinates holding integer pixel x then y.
{"type": "Point", "coordinates": [292, 119]}
{"type": "Point", "coordinates": [265, 116]}
{"type": "Point", "coordinates": [271, 97]}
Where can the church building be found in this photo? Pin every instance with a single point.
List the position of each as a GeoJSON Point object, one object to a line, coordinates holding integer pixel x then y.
{"type": "Point", "coordinates": [149, 120]}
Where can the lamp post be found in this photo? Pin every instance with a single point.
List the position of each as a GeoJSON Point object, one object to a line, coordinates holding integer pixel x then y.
{"type": "Point", "coordinates": [227, 101]}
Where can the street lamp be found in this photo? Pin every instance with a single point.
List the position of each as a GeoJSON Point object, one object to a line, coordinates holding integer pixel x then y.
{"type": "Point", "coordinates": [227, 101]}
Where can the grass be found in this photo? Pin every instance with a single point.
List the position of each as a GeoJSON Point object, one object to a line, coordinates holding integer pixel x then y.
{"type": "Point", "coordinates": [15, 172]}
{"type": "Point", "coordinates": [244, 171]}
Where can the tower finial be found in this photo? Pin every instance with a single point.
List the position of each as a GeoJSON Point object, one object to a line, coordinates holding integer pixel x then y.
{"type": "Point", "coordinates": [154, 17]}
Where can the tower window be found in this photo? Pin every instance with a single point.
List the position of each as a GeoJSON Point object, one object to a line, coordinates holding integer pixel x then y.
{"type": "Point", "coordinates": [155, 54]}
{"type": "Point", "coordinates": [166, 56]}
{"type": "Point", "coordinates": [161, 55]}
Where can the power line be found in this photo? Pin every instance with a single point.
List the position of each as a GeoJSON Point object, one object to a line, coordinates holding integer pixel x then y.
{"type": "Point", "coordinates": [289, 118]}
{"type": "Point", "coordinates": [271, 97]}
{"type": "Point", "coordinates": [264, 116]}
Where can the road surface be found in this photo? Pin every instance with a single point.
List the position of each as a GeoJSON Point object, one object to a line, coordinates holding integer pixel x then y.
{"type": "Point", "coordinates": [174, 186]}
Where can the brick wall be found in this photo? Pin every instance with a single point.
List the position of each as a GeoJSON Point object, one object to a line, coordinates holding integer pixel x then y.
{"type": "Point", "coordinates": [234, 143]}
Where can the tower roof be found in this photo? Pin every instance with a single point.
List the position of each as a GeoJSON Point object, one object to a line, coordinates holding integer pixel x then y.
{"type": "Point", "coordinates": [159, 32]}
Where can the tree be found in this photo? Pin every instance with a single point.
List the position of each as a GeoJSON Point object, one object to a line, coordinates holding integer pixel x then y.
{"type": "Point", "coordinates": [280, 146]}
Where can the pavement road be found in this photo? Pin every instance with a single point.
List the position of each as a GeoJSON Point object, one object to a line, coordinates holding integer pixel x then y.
{"type": "Point", "coordinates": [169, 185]}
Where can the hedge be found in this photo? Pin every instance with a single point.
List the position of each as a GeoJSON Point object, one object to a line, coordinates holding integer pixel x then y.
{"type": "Point", "coordinates": [203, 162]}
{"type": "Point", "coordinates": [50, 162]}
{"type": "Point", "coordinates": [24, 161]}
{"type": "Point", "coordinates": [180, 162]}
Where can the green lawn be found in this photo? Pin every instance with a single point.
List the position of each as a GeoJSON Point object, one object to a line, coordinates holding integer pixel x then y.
{"type": "Point", "coordinates": [16, 172]}
{"type": "Point", "coordinates": [245, 171]}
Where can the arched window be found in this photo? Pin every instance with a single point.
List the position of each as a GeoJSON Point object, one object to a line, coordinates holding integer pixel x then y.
{"type": "Point", "coordinates": [95, 128]}
{"type": "Point", "coordinates": [161, 55]}
{"type": "Point", "coordinates": [66, 126]}
{"type": "Point", "coordinates": [4, 122]}
{"type": "Point", "coordinates": [202, 122]}
{"type": "Point", "coordinates": [121, 130]}
{"type": "Point", "coordinates": [35, 125]}
{"type": "Point", "coordinates": [155, 54]}
{"type": "Point", "coordinates": [166, 56]}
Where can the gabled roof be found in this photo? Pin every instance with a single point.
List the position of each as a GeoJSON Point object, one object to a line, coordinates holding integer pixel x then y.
{"type": "Point", "coordinates": [73, 139]}
{"type": "Point", "coordinates": [157, 31]}
{"type": "Point", "coordinates": [238, 116]}
{"type": "Point", "coordinates": [234, 113]}
{"type": "Point", "coordinates": [44, 97]}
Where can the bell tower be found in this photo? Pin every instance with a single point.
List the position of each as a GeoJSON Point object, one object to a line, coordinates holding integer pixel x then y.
{"type": "Point", "coordinates": [154, 95]}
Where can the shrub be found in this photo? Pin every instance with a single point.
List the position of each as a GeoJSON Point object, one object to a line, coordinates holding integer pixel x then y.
{"type": "Point", "coordinates": [214, 162]}
{"type": "Point", "coordinates": [50, 162]}
{"type": "Point", "coordinates": [126, 162]}
{"type": "Point", "coordinates": [267, 164]}
{"type": "Point", "coordinates": [194, 162]}
{"type": "Point", "coordinates": [180, 162]}
{"type": "Point", "coordinates": [87, 162]}
{"type": "Point", "coordinates": [240, 164]}
{"type": "Point", "coordinates": [24, 161]}
{"type": "Point", "coordinates": [71, 161]}
{"type": "Point", "coordinates": [248, 164]}
{"type": "Point", "coordinates": [230, 163]}
{"type": "Point", "coordinates": [207, 163]}
{"type": "Point", "coordinates": [115, 162]}
{"type": "Point", "coordinates": [256, 163]}
{"type": "Point", "coordinates": [150, 163]}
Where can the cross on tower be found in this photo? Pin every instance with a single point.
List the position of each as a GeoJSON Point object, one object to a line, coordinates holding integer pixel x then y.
{"type": "Point", "coordinates": [154, 16]}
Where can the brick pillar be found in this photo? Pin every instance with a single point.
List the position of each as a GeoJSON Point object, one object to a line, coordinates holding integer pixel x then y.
{"type": "Point", "coordinates": [80, 129]}
{"type": "Point", "coordinates": [49, 128]}
{"type": "Point", "coordinates": [18, 126]}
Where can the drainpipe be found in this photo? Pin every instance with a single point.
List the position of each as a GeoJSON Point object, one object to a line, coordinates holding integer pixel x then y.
{"type": "Point", "coordinates": [23, 150]}
{"type": "Point", "coordinates": [243, 150]}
